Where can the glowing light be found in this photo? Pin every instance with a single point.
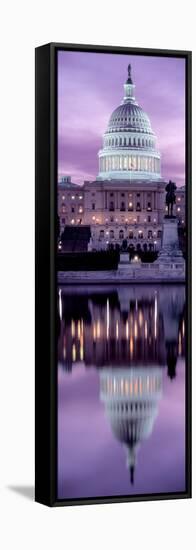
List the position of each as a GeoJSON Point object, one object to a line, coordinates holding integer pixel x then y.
{"type": "Point", "coordinates": [183, 328]}
{"type": "Point", "coordinates": [60, 305]}
{"type": "Point", "coordinates": [135, 329]}
{"type": "Point", "coordinates": [73, 331]}
{"type": "Point", "coordinates": [81, 352]}
{"type": "Point", "coordinates": [79, 329]}
{"type": "Point", "coordinates": [74, 352]}
{"type": "Point", "coordinates": [98, 329]}
{"type": "Point", "coordinates": [146, 330]}
{"type": "Point", "coordinates": [80, 197]}
{"type": "Point", "coordinates": [93, 218]}
{"type": "Point", "coordinates": [178, 209]}
{"type": "Point", "coordinates": [130, 204]}
{"type": "Point", "coordinates": [117, 330]}
{"type": "Point", "coordinates": [73, 197]}
{"type": "Point", "coordinates": [155, 317]}
{"type": "Point", "coordinates": [131, 346]}
{"type": "Point", "coordinates": [94, 331]}
{"type": "Point", "coordinates": [107, 318]}
{"type": "Point", "coordinates": [127, 330]}
{"type": "Point", "coordinates": [140, 318]}
{"type": "Point", "coordinates": [72, 221]}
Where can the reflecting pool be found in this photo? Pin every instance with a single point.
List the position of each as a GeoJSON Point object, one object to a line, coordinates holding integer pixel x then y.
{"type": "Point", "coordinates": [121, 390]}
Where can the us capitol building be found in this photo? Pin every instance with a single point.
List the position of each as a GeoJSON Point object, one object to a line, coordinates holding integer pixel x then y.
{"type": "Point", "coordinates": [126, 202]}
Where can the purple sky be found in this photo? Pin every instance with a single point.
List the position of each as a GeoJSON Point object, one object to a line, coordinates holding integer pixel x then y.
{"type": "Point", "coordinates": [90, 87]}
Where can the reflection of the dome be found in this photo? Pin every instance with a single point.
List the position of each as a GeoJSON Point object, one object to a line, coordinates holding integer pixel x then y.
{"type": "Point", "coordinates": [124, 326]}
{"type": "Point", "coordinates": [131, 398]}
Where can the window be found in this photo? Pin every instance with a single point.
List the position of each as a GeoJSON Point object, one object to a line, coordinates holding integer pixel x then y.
{"type": "Point", "coordinates": [72, 209]}
{"type": "Point", "coordinates": [121, 234]}
{"type": "Point", "coordinates": [138, 194]}
{"type": "Point", "coordinates": [149, 206]}
{"type": "Point", "coordinates": [138, 219]}
{"type": "Point", "coordinates": [130, 234]}
{"type": "Point", "coordinates": [149, 219]}
{"type": "Point", "coordinates": [122, 194]}
{"type": "Point", "coordinates": [138, 207]}
{"type": "Point", "coordinates": [93, 206]}
{"type": "Point", "coordinates": [140, 234]}
{"type": "Point", "coordinates": [122, 207]}
{"type": "Point", "coordinates": [111, 194]}
{"type": "Point", "coordinates": [111, 206]}
{"type": "Point", "coordinates": [149, 234]}
{"type": "Point", "coordinates": [111, 234]}
{"type": "Point", "coordinates": [101, 234]}
{"type": "Point", "coordinates": [159, 234]}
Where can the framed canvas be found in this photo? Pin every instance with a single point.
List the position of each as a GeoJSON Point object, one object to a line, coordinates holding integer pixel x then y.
{"type": "Point", "coordinates": [113, 274]}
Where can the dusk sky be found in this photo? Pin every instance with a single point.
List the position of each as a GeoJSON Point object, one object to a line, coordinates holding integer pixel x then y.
{"type": "Point", "coordinates": [90, 87]}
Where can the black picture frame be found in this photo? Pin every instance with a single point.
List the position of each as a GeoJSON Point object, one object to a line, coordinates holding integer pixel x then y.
{"type": "Point", "coordinates": [45, 272]}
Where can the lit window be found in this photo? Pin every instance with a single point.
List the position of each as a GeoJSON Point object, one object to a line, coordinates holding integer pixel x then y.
{"type": "Point", "coordinates": [80, 197]}
{"type": "Point", "coordinates": [73, 197]}
{"type": "Point", "coordinates": [178, 209]}
{"type": "Point", "coordinates": [72, 221]}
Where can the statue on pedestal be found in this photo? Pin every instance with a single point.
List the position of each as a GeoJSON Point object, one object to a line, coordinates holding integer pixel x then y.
{"type": "Point", "coordinates": [170, 197]}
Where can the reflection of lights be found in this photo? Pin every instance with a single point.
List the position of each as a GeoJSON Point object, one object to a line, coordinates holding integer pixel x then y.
{"type": "Point", "coordinates": [79, 329]}
{"type": "Point", "coordinates": [127, 330]}
{"type": "Point", "coordinates": [146, 330]}
{"type": "Point", "coordinates": [155, 317]}
{"type": "Point", "coordinates": [183, 328]}
{"type": "Point", "coordinates": [117, 330]}
{"type": "Point", "coordinates": [98, 329]}
{"type": "Point", "coordinates": [73, 352]}
{"type": "Point", "coordinates": [107, 318]}
{"type": "Point", "coordinates": [140, 318]}
{"type": "Point", "coordinates": [60, 304]}
{"type": "Point", "coordinates": [131, 346]}
{"type": "Point", "coordinates": [135, 329]}
{"type": "Point", "coordinates": [73, 328]}
{"type": "Point", "coordinates": [94, 331]}
{"type": "Point", "coordinates": [81, 352]}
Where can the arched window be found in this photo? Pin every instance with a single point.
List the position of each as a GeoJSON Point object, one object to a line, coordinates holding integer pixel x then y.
{"type": "Point", "coordinates": [130, 234]}
{"type": "Point", "coordinates": [149, 234]}
{"type": "Point", "coordinates": [121, 234]}
{"type": "Point", "coordinates": [111, 234]}
{"type": "Point", "coordinates": [159, 234]}
{"type": "Point", "coordinates": [101, 234]}
{"type": "Point", "coordinates": [111, 206]}
{"type": "Point", "coordinates": [122, 206]}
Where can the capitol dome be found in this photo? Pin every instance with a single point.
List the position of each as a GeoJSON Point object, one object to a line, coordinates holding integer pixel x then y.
{"type": "Point", "coordinates": [129, 143]}
{"type": "Point", "coordinates": [131, 398]}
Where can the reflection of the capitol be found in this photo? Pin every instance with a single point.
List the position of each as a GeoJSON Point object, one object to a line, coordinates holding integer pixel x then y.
{"type": "Point", "coordinates": [138, 326]}
{"type": "Point", "coordinates": [131, 398]}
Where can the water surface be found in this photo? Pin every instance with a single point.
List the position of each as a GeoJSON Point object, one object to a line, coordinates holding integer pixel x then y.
{"type": "Point", "coordinates": [121, 390]}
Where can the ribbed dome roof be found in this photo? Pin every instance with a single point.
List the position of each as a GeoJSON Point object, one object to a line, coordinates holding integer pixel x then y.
{"type": "Point", "coordinates": [129, 116]}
